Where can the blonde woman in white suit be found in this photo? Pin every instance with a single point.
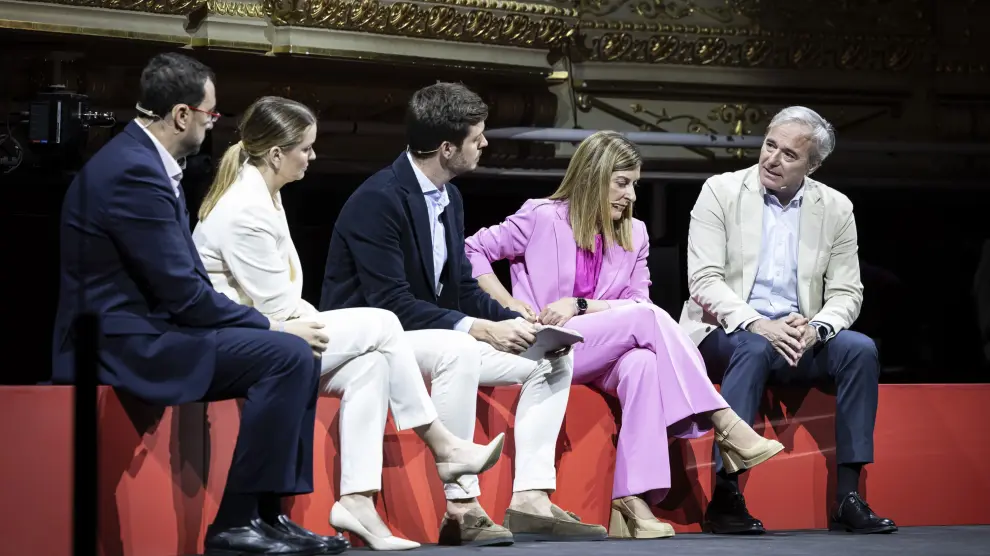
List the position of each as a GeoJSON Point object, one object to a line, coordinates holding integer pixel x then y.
{"type": "Point", "coordinates": [243, 239]}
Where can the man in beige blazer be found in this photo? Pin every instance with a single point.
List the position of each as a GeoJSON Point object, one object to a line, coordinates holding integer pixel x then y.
{"type": "Point", "coordinates": [773, 273]}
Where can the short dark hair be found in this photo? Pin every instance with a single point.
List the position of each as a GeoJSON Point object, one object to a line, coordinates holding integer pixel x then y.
{"type": "Point", "coordinates": [171, 79]}
{"type": "Point", "coordinates": [442, 112]}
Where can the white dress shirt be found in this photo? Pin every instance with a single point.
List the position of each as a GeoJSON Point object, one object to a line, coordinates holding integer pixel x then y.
{"type": "Point", "coordinates": [172, 166]}
{"type": "Point", "coordinates": [436, 201]}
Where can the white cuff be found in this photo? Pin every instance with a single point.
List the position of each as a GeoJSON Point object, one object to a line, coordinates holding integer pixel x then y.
{"type": "Point", "coordinates": [464, 325]}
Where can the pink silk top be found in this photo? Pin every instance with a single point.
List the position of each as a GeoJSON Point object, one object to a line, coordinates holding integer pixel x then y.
{"type": "Point", "coordinates": [589, 266]}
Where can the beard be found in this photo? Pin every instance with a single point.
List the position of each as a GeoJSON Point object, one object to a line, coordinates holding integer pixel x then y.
{"type": "Point", "coordinates": [190, 145]}
{"type": "Point", "coordinates": [459, 164]}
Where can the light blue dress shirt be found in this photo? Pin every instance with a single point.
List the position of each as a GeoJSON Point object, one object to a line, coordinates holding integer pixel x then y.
{"type": "Point", "coordinates": [436, 201]}
{"type": "Point", "coordinates": [775, 291]}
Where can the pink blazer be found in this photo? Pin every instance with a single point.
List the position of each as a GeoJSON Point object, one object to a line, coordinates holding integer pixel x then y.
{"type": "Point", "coordinates": [539, 244]}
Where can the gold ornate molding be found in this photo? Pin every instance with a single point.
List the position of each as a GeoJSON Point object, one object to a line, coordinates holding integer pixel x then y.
{"type": "Point", "coordinates": [863, 35]}
{"type": "Point", "coordinates": [168, 7]}
{"type": "Point", "coordinates": [659, 10]}
{"type": "Point", "coordinates": [516, 24]}
{"type": "Point", "coordinates": [514, 38]}
{"type": "Point", "coordinates": [852, 35]}
{"type": "Point", "coordinates": [794, 16]}
{"type": "Point", "coordinates": [740, 119]}
{"type": "Point", "coordinates": [139, 20]}
{"type": "Point", "coordinates": [537, 7]}
{"type": "Point", "coordinates": [235, 8]}
{"type": "Point", "coordinates": [754, 50]}
{"type": "Point", "coordinates": [532, 25]}
{"type": "Point", "coordinates": [875, 35]}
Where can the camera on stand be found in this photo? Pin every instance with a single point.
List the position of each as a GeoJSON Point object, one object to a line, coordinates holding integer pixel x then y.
{"type": "Point", "coordinates": [57, 124]}
{"type": "Point", "coordinates": [60, 118]}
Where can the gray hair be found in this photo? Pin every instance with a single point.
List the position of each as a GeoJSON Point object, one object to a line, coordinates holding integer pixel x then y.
{"type": "Point", "coordinates": [822, 133]}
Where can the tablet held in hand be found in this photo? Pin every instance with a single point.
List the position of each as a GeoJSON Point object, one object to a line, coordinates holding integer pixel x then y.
{"type": "Point", "coordinates": [550, 339]}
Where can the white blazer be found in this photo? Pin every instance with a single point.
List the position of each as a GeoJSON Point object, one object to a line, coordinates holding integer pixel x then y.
{"type": "Point", "coordinates": [724, 251]}
{"type": "Point", "coordinates": [247, 251]}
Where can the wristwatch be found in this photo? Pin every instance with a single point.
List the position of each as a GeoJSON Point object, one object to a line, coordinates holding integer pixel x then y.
{"type": "Point", "coordinates": [582, 305]}
{"type": "Point", "coordinates": [822, 329]}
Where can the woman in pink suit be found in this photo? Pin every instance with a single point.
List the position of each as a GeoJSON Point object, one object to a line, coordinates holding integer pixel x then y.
{"type": "Point", "coordinates": [578, 259]}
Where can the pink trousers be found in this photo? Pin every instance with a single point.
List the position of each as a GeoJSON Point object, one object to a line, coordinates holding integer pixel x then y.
{"type": "Point", "coordinates": [641, 355]}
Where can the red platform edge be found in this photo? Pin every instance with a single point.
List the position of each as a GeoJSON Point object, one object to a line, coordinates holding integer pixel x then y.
{"type": "Point", "coordinates": [162, 471]}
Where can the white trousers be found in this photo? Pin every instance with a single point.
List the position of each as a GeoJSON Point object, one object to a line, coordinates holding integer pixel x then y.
{"type": "Point", "coordinates": [457, 364]}
{"type": "Point", "coordinates": [370, 363]}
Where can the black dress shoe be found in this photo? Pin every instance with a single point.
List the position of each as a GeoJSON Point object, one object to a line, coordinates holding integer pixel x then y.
{"type": "Point", "coordinates": [853, 515]}
{"type": "Point", "coordinates": [727, 515]}
{"type": "Point", "coordinates": [332, 545]}
{"type": "Point", "coordinates": [258, 538]}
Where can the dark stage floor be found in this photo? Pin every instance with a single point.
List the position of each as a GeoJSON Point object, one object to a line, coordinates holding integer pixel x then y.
{"type": "Point", "coordinates": [909, 541]}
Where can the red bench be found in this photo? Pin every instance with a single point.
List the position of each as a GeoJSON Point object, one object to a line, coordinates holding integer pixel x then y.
{"type": "Point", "coordinates": [162, 471]}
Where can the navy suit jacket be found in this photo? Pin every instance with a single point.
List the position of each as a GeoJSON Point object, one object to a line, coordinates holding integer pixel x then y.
{"type": "Point", "coordinates": [381, 255]}
{"type": "Point", "coordinates": [126, 254]}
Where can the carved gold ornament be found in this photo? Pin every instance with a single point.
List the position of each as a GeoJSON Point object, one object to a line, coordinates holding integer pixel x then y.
{"type": "Point", "coordinates": [862, 35]}
{"type": "Point", "coordinates": [169, 7]}
{"type": "Point", "coordinates": [477, 21]}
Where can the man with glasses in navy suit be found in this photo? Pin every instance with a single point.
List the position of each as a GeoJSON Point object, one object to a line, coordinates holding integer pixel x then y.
{"type": "Point", "coordinates": [167, 337]}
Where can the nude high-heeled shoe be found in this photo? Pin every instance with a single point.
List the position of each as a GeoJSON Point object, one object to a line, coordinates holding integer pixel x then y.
{"type": "Point", "coordinates": [343, 520]}
{"type": "Point", "coordinates": [478, 462]}
{"type": "Point", "coordinates": [624, 524]}
{"type": "Point", "coordinates": [735, 459]}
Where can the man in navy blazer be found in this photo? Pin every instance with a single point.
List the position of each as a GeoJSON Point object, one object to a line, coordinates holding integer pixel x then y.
{"type": "Point", "coordinates": [167, 337]}
{"type": "Point", "coordinates": [398, 245]}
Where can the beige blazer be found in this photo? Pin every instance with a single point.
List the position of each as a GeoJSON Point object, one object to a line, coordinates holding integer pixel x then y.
{"type": "Point", "coordinates": [724, 250]}
{"type": "Point", "coordinates": [247, 251]}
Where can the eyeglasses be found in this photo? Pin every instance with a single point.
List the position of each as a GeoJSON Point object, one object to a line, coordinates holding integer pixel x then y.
{"type": "Point", "coordinates": [214, 116]}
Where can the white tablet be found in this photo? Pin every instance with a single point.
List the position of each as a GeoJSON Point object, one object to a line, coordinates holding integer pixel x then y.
{"type": "Point", "coordinates": [550, 339]}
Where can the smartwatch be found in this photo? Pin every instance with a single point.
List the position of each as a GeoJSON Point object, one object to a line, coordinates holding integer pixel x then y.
{"type": "Point", "coordinates": [582, 305]}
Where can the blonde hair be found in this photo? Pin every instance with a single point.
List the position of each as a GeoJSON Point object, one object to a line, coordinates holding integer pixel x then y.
{"type": "Point", "coordinates": [269, 122]}
{"type": "Point", "coordinates": [586, 189]}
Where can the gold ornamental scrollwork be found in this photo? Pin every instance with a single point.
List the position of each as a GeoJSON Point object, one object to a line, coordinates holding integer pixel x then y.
{"type": "Point", "coordinates": [855, 35]}
{"type": "Point", "coordinates": [872, 35]}
{"type": "Point", "coordinates": [167, 7]}
{"type": "Point", "coordinates": [536, 25]}
{"type": "Point", "coordinates": [723, 11]}
{"type": "Point", "coordinates": [850, 16]}
{"type": "Point", "coordinates": [536, 8]}
{"type": "Point", "coordinates": [846, 53]}
{"type": "Point", "coordinates": [692, 124]}
{"type": "Point", "coordinates": [522, 25]}
{"type": "Point", "coordinates": [740, 119]}
{"type": "Point", "coordinates": [235, 8]}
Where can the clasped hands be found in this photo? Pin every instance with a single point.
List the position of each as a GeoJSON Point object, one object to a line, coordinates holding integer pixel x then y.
{"type": "Point", "coordinates": [791, 336]}
{"type": "Point", "coordinates": [554, 314]}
